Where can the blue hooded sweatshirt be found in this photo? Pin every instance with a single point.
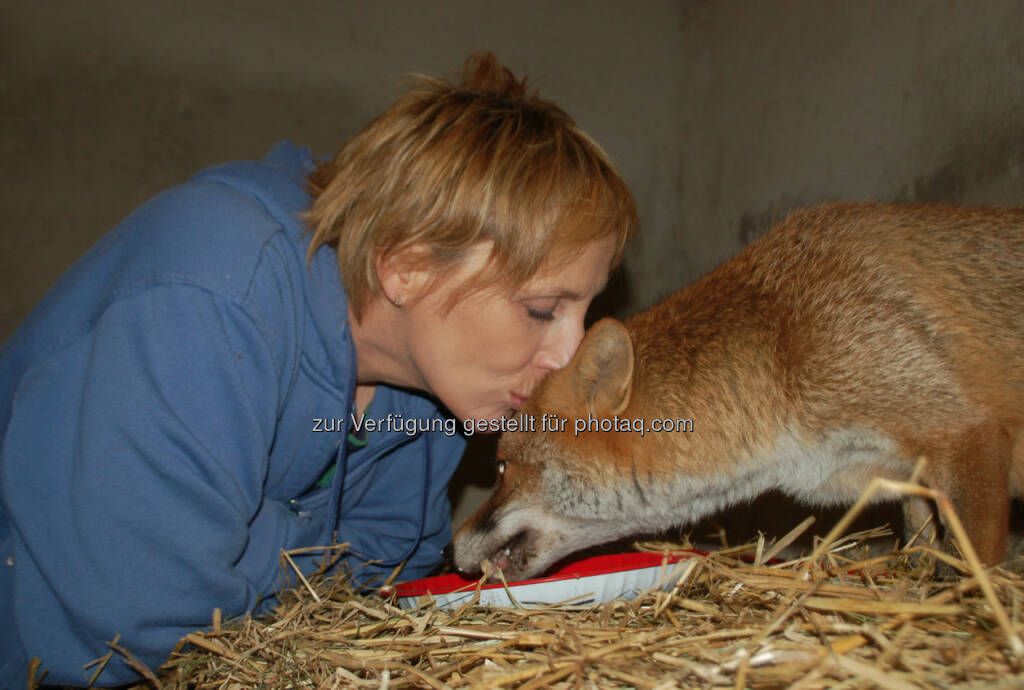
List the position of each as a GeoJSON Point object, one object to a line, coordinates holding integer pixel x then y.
{"type": "Point", "coordinates": [166, 412]}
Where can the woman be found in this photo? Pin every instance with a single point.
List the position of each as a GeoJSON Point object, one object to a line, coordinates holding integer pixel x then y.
{"type": "Point", "coordinates": [193, 396]}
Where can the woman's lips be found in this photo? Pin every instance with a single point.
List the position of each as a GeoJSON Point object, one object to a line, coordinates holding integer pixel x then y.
{"type": "Point", "coordinates": [517, 400]}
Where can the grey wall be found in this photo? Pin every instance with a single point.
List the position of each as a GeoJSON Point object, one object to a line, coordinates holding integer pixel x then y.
{"type": "Point", "coordinates": [721, 115]}
{"type": "Point", "coordinates": [107, 102]}
{"type": "Point", "coordinates": [797, 102]}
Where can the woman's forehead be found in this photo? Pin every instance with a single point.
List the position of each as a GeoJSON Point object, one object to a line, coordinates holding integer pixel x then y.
{"type": "Point", "coordinates": [579, 276]}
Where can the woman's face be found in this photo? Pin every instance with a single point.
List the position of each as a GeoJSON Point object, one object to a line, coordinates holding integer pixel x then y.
{"type": "Point", "coordinates": [483, 358]}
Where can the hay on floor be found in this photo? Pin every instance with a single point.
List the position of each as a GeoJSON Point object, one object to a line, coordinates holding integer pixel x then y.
{"type": "Point", "coordinates": [733, 618]}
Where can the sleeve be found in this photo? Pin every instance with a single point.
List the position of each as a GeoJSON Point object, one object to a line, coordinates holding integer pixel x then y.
{"type": "Point", "coordinates": [132, 475]}
{"type": "Point", "coordinates": [383, 509]}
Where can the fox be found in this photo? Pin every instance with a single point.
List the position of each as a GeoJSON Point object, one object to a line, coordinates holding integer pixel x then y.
{"type": "Point", "coordinates": [846, 343]}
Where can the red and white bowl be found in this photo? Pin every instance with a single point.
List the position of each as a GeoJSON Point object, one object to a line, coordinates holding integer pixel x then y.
{"type": "Point", "coordinates": [593, 580]}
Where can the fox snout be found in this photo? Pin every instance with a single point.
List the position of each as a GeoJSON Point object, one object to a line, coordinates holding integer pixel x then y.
{"type": "Point", "coordinates": [522, 542]}
{"type": "Point", "coordinates": [503, 534]}
{"type": "Point", "coordinates": [526, 526]}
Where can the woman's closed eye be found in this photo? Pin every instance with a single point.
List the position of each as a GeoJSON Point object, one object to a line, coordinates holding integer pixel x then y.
{"type": "Point", "coordinates": [547, 315]}
{"type": "Point", "coordinates": [541, 309]}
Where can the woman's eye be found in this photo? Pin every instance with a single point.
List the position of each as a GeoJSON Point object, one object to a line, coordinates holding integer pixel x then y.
{"type": "Point", "coordinates": [541, 315]}
{"type": "Point", "coordinates": [540, 307]}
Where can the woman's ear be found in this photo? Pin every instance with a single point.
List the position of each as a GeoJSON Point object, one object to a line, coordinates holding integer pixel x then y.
{"type": "Point", "coordinates": [405, 274]}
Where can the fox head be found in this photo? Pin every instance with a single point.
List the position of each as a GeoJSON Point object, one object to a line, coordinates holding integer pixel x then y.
{"type": "Point", "coordinates": [554, 495]}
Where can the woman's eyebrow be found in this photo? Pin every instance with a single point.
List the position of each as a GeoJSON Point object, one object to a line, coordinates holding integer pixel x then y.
{"type": "Point", "coordinates": [542, 292]}
{"type": "Point", "coordinates": [564, 294]}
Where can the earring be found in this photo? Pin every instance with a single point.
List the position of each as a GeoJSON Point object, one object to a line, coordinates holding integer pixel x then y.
{"type": "Point", "coordinates": [397, 301]}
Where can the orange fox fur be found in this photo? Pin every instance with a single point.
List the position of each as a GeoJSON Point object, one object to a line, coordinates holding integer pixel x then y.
{"type": "Point", "coordinates": [846, 343]}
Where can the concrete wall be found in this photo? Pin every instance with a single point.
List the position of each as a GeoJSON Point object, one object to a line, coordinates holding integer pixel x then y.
{"type": "Point", "coordinates": [721, 115]}
{"type": "Point", "coordinates": [795, 102]}
{"type": "Point", "coordinates": [107, 102]}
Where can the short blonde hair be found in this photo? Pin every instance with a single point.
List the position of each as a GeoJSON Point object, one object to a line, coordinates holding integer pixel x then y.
{"type": "Point", "coordinates": [450, 166]}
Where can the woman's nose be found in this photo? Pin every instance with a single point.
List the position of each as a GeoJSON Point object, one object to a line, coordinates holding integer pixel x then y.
{"type": "Point", "coordinates": [561, 344]}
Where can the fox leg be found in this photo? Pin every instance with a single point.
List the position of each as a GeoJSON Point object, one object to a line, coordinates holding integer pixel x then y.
{"type": "Point", "coordinates": [920, 520]}
{"type": "Point", "coordinates": [976, 478]}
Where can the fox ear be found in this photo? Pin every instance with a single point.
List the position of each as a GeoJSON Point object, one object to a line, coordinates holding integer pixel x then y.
{"type": "Point", "coordinates": [601, 373]}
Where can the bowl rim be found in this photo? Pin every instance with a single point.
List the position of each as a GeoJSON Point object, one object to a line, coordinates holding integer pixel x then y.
{"type": "Point", "coordinates": [603, 564]}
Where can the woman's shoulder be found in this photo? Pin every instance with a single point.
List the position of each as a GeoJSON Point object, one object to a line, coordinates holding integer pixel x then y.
{"type": "Point", "coordinates": [231, 232]}
{"type": "Point", "coordinates": [218, 229]}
